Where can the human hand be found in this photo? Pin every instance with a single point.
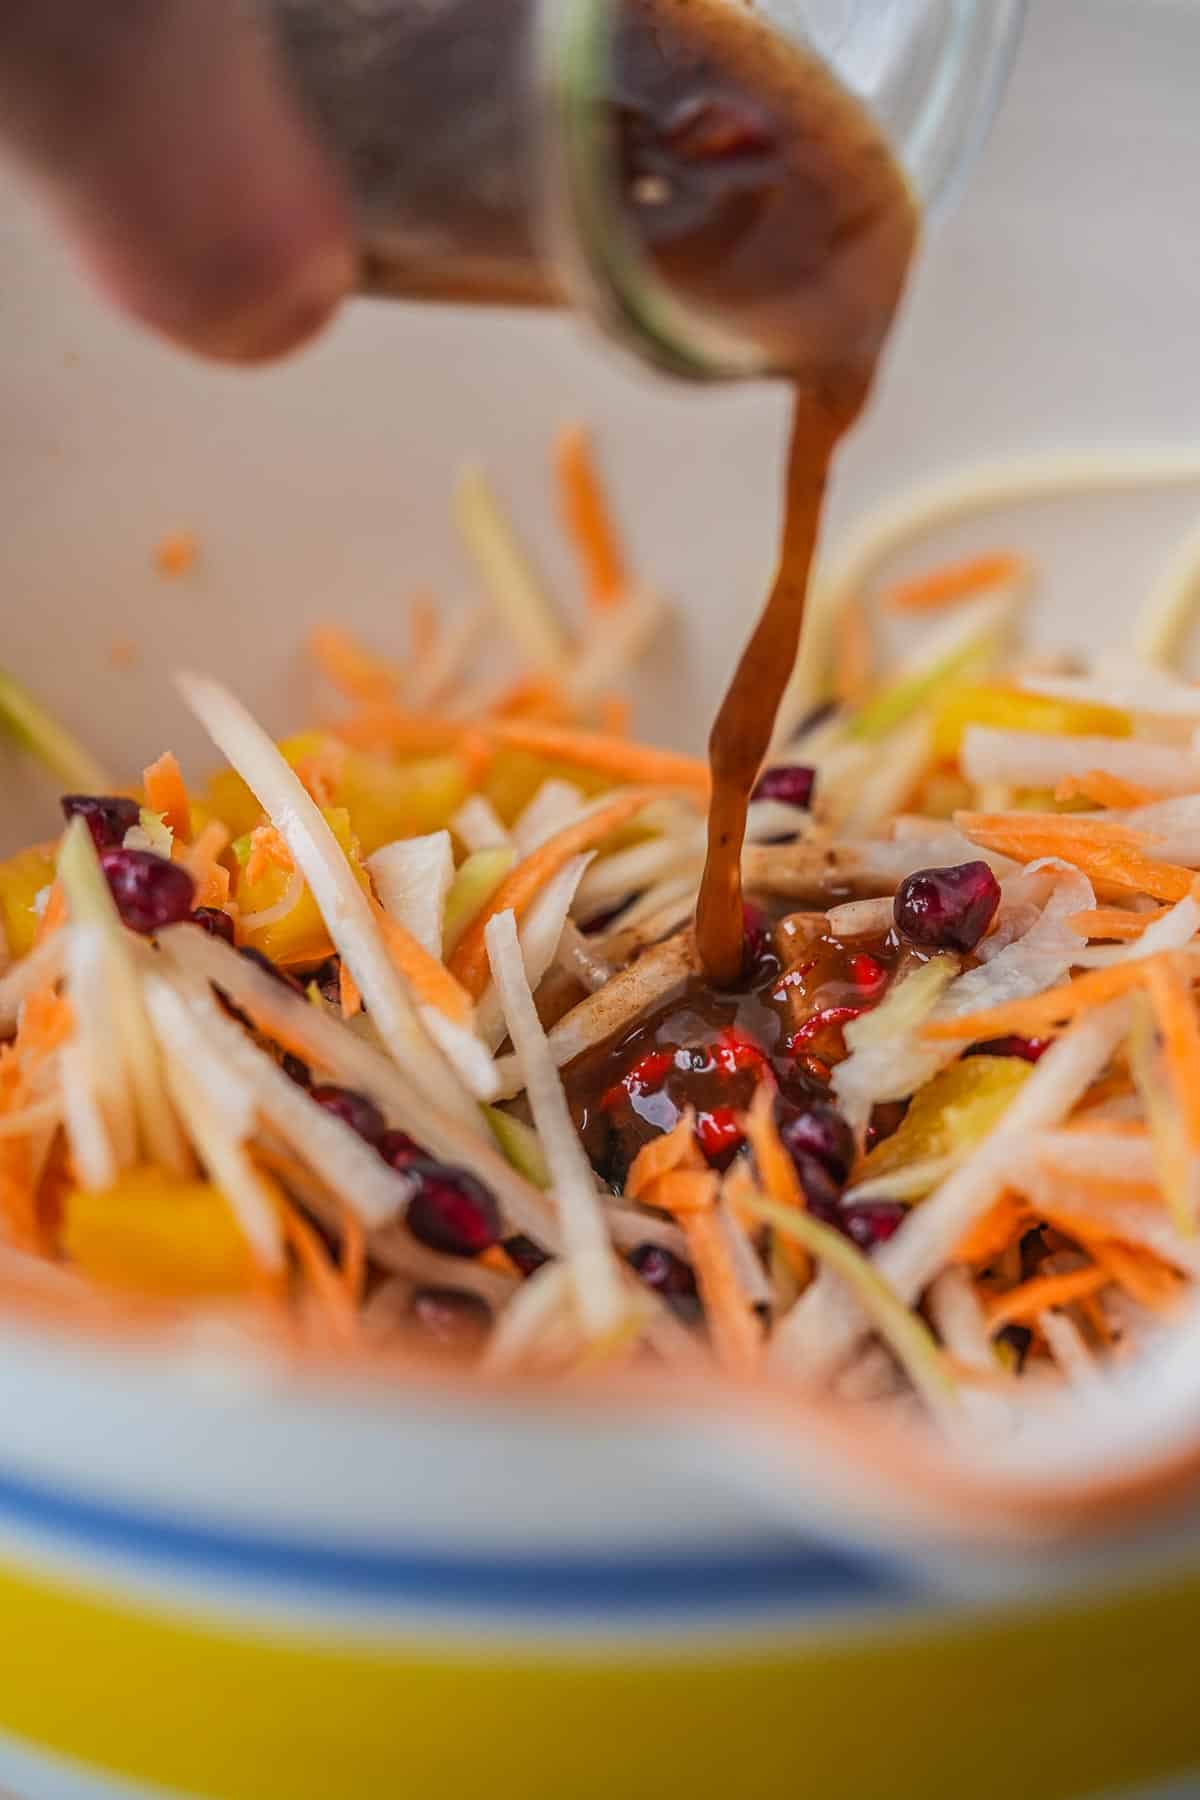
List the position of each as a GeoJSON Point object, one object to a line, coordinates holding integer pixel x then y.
{"type": "Point", "coordinates": [179, 167]}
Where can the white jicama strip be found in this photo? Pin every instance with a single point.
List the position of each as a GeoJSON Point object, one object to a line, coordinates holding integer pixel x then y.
{"type": "Point", "coordinates": [95, 1037]}
{"type": "Point", "coordinates": [826, 1323]}
{"type": "Point", "coordinates": [872, 1376]}
{"type": "Point", "coordinates": [613, 642]}
{"type": "Point", "coordinates": [342, 1160]}
{"type": "Point", "coordinates": [892, 780]}
{"type": "Point", "coordinates": [910, 1183]}
{"type": "Point", "coordinates": [556, 805]}
{"type": "Point", "coordinates": [287, 903]}
{"type": "Point", "coordinates": [1042, 759]}
{"type": "Point", "coordinates": [629, 871]}
{"type": "Point", "coordinates": [199, 1083]}
{"type": "Point", "coordinates": [1173, 824]}
{"type": "Point", "coordinates": [133, 1048]}
{"type": "Point", "coordinates": [630, 1229]}
{"type": "Point", "coordinates": [1146, 1226]}
{"type": "Point", "coordinates": [632, 992]}
{"type": "Point", "coordinates": [517, 593]}
{"type": "Point", "coordinates": [341, 902]}
{"type": "Point", "coordinates": [478, 826]}
{"type": "Point", "coordinates": [861, 918]}
{"type": "Point", "coordinates": [43, 965]}
{"type": "Point", "coordinates": [434, 682]}
{"type": "Point", "coordinates": [580, 958]}
{"type": "Point", "coordinates": [412, 878]}
{"type": "Point", "coordinates": [1174, 931]}
{"type": "Point", "coordinates": [768, 819]}
{"type": "Point", "coordinates": [540, 932]}
{"type": "Point", "coordinates": [534, 1308]}
{"type": "Point", "coordinates": [959, 1320]}
{"type": "Point", "coordinates": [396, 1248]}
{"type": "Point", "coordinates": [1170, 607]}
{"type": "Point", "coordinates": [747, 1266]}
{"type": "Point", "coordinates": [1094, 1155]}
{"type": "Point", "coordinates": [1147, 690]}
{"type": "Point", "coordinates": [586, 1242]}
{"type": "Point", "coordinates": [661, 909]}
{"type": "Point", "coordinates": [465, 1050]}
{"type": "Point", "coordinates": [1068, 1348]}
{"type": "Point", "coordinates": [87, 1134]}
{"type": "Point", "coordinates": [329, 1044]}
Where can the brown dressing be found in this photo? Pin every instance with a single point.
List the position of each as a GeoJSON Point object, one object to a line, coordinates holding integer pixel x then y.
{"type": "Point", "coordinates": [765, 195]}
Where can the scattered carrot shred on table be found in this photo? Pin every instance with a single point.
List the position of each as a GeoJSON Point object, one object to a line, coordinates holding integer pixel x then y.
{"type": "Point", "coordinates": [177, 553]}
{"type": "Point", "coordinates": [953, 582]}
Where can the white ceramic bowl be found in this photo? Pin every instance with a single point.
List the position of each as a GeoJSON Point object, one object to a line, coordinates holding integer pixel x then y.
{"type": "Point", "coordinates": [221, 1581]}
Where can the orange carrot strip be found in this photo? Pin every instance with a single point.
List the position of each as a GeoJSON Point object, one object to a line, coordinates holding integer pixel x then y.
{"type": "Point", "coordinates": [322, 772]}
{"type": "Point", "coordinates": [1102, 789]}
{"type": "Point", "coordinates": [954, 581]}
{"type": "Point", "coordinates": [432, 983]}
{"type": "Point", "coordinates": [1103, 851]}
{"type": "Point", "coordinates": [675, 1149]}
{"type": "Point", "coordinates": [166, 794]}
{"type": "Point", "coordinates": [354, 1257]}
{"type": "Point", "coordinates": [588, 520]}
{"type": "Point", "coordinates": [736, 1334]}
{"type": "Point", "coordinates": [991, 1236]}
{"type": "Point", "coordinates": [614, 757]}
{"type": "Point", "coordinates": [422, 626]}
{"type": "Point", "coordinates": [1145, 1277]}
{"type": "Point", "coordinates": [1023, 1303]}
{"type": "Point", "coordinates": [1169, 986]}
{"type": "Point", "coordinates": [268, 850]}
{"type": "Point", "coordinates": [349, 997]}
{"type": "Point", "coordinates": [320, 1270]}
{"type": "Point", "coordinates": [349, 666]}
{"type": "Point", "coordinates": [176, 553]}
{"type": "Point", "coordinates": [1114, 922]}
{"type": "Point", "coordinates": [381, 725]}
{"type": "Point", "coordinates": [523, 884]}
{"type": "Point", "coordinates": [616, 715]}
{"type": "Point", "coordinates": [1044, 1011]}
{"type": "Point", "coordinates": [539, 697]}
{"type": "Point", "coordinates": [682, 1192]}
{"type": "Point", "coordinates": [777, 1173]}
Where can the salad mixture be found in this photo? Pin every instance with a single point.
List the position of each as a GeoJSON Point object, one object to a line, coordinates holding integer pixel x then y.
{"type": "Point", "coordinates": [394, 1033]}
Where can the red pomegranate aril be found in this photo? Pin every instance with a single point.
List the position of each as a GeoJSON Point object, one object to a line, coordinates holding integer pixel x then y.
{"type": "Point", "coordinates": [868, 1223]}
{"type": "Point", "coordinates": [822, 1191]}
{"type": "Point", "coordinates": [524, 1254]}
{"type": "Point", "coordinates": [399, 1150]}
{"type": "Point", "coordinates": [149, 891]}
{"type": "Point", "coordinates": [108, 816]}
{"type": "Point", "coordinates": [793, 783]}
{"type": "Point", "coordinates": [947, 909]}
{"type": "Point", "coordinates": [719, 1135]}
{"type": "Point", "coordinates": [663, 1271]}
{"type": "Point", "coordinates": [353, 1109]}
{"type": "Point", "coordinates": [451, 1211]}
{"type": "Point", "coordinates": [819, 1131]}
{"type": "Point", "coordinates": [454, 1320]}
{"type": "Point", "coordinates": [1028, 1049]}
{"type": "Point", "coordinates": [217, 924]}
{"type": "Point", "coordinates": [868, 975]}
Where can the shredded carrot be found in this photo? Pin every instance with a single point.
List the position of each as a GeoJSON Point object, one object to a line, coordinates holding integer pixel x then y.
{"type": "Point", "coordinates": [1098, 848]}
{"type": "Point", "coordinates": [349, 997]}
{"type": "Point", "coordinates": [432, 983]}
{"type": "Point", "coordinates": [379, 724]}
{"type": "Point", "coordinates": [321, 1272]}
{"type": "Point", "coordinates": [525, 882]}
{"type": "Point", "coordinates": [1043, 1012]}
{"type": "Point", "coordinates": [675, 1149]}
{"type": "Point", "coordinates": [854, 655]}
{"type": "Point", "coordinates": [423, 628]}
{"type": "Point", "coordinates": [200, 861]}
{"type": "Point", "coordinates": [539, 697]}
{"type": "Point", "coordinates": [268, 850]}
{"type": "Point", "coordinates": [588, 519]}
{"type": "Point", "coordinates": [615, 715]}
{"type": "Point", "coordinates": [955, 581]}
{"type": "Point", "coordinates": [736, 1333]}
{"type": "Point", "coordinates": [681, 1192]}
{"type": "Point", "coordinates": [777, 1172]}
{"type": "Point", "coordinates": [1102, 789]}
{"type": "Point", "coordinates": [1144, 1277]}
{"type": "Point", "coordinates": [350, 667]}
{"type": "Point", "coordinates": [322, 771]}
{"type": "Point", "coordinates": [987, 1240]}
{"type": "Point", "coordinates": [176, 553]}
{"type": "Point", "coordinates": [1043, 1292]}
{"type": "Point", "coordinates": [166, 794]}
{"type": "Point", "coordinates": [1114, 922]}
{"type": "Point", "coordinates": [1169, 986]}
{"type": "Point", "coordinates": [614, 757]}
{"type": "Point", "coordinates": [354, 1257]}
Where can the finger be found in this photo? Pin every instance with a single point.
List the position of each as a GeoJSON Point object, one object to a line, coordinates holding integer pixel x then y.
{"type": "Point", "coordinates": [180, 166]}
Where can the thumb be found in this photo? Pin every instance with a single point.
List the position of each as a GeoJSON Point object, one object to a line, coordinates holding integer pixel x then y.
{"type": "Point", "coordinates": [180, 166]}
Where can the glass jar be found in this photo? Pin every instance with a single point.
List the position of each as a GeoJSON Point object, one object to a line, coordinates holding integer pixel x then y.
{"type": "Point", "coordinates": [487, 144]}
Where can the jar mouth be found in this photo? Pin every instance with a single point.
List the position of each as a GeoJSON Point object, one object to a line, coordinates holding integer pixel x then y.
{"type": "Point", "coordinates": [606, 274]}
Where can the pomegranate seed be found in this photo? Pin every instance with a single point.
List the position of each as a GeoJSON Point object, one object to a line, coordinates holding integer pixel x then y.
{"type": "Point", "coordinates": [819, 1131]}
{"type": "Point", "coordinates": [398, 1149]}
{"type": "Point", "coordinates": [329, 981]}
{"type": "Point", "coordinates": [296, 1070]}
{"type": "Point", "coordinates": [454, 1320]}
{"type": "Point", "coordinates": [645, 1077]}
{"type": "Point", "coordinates": [451, 1211]}
{"type": "Point", "coordinates": [720, 1135]}
{"type": "Point", "coordinates": [528, 1256]}
{"type": "Point", "coordinates": [663, 1271]}
{"type": "Point", "coordinates": [732, 1053]}
{"type": "Point", "coordinates": [217, 924]}
{"type": "Point", "coordinates": [149, 891]}
{"type": "Point", "coordinates": [109, 816]}
{"type": "Point", "coordinates": [868, 975]}
{"type": "Point", "coordinates": [871, 1222]}
{"type": "Point", "coordinates": [793, 784]}
{"type": "Point", "coordinates": [1028, 1049]}
{"type": "Point", "coordinates": [947, 909]}
{"type": "Point", "coordinates": [353, 1109]}
{"type": "Point", "coordinates": [826, 1020]}
{"type": "Point", "coordinates": [822, 1191]}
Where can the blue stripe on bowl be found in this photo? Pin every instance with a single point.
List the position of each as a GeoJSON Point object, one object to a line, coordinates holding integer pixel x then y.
{"type": "Point", "coordinates": [777, 1571]}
